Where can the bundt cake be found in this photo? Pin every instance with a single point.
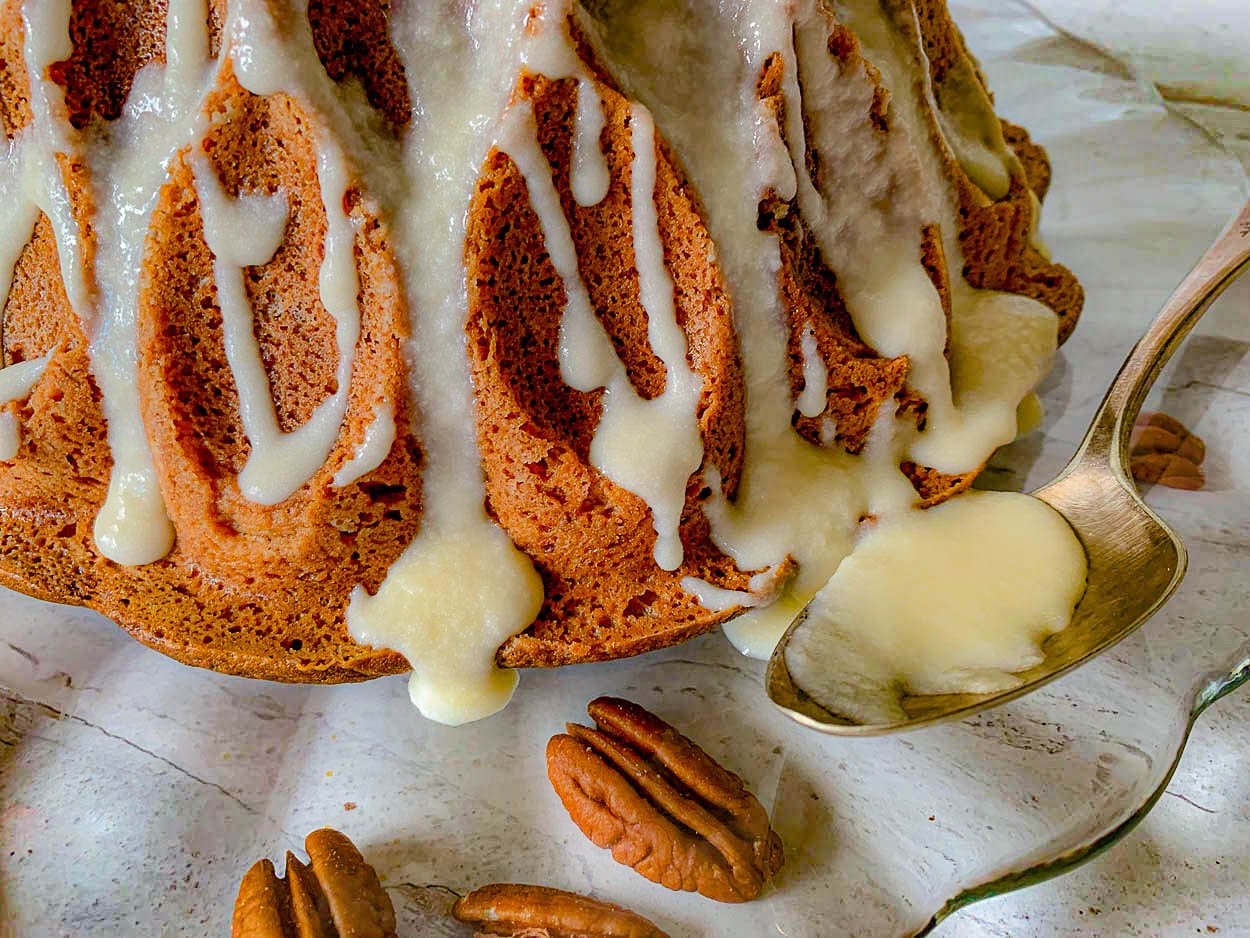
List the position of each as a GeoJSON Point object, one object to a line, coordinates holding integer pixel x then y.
{"type": "Point", "coordinates": [343, 337]}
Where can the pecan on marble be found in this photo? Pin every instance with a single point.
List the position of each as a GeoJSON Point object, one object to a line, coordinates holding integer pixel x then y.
{"type": "Point", "coordinates": [1163, 451]}
{"type": "Point", "coordinates": [336, 895]}
{"type": "Point", "coordinates": [518, 911]}
{"type": "Point", "coordinates": [664, 807]}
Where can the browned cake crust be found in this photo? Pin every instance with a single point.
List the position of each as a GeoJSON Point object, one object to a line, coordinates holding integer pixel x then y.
{"type": "Point", "coordinates": [261, 591]}
{"type": "Point", "coordinates": [248, 589]}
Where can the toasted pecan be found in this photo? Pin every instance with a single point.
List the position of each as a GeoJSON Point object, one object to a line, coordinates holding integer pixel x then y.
{"type": "Point", "coordinates": [337, 895]}
{"type": "Point", "coordinates": [518, 911]}
{"type": "Point", "coordinates": [662, 805]}
{"type": "Point", "coordinates": [1163, 451]}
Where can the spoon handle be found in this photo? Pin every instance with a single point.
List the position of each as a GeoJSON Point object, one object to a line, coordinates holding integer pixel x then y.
{"type": "Point", "coordinates": [1107, 439]}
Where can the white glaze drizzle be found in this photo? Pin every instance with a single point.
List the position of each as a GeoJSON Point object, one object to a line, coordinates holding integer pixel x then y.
{"type": "Point", "coordinates": [187, 55]}
{"type": "Point", "coordinates": [974, 135]}
{"type": "Point", "coordinates": [1036, 241]}
{"type": "Point", "coordinates": [762, 589]}
{"type": "Point", "coordinates": [796, 499]}
{"type": "Point", "coordinates": [828, 431]}
{"type": "Point", "coordinates": [247, 232]}
{"type": "Point", "coordinates": [449, 635]}
{"type": "Point", "coordinates": [790, 490]}
{"type": "Point", "coordinates": [16, 382]}
{"type": "Point", "coordinates": [279, 464]}
{"type": "Point", "coordinates": [773, 161]}
{"type": "Point", "coordinates": [46, 40]}
{"type": "Point", "coordinates": [18, 213]}
{"type": "Point", "coordinates": [548, 50]}
{"type": "Point", "coordinates": [667, 426]}
{"type": "Point", "coordinates": [812, 402]}
{"type": "Point", "coordinates": [716, 598]}
{"type": "Point", "coordinates": [650, 447]}
{"type": "Point", "coordinates": [972, 399]}
{"type": "Point", "coordinates": [589, 178]}
{"type": "Point", "coordinates": [129, 164]}
{"type": "Point", "coordinates": [126, 166]}
{"type": "Point", "coordinates": [373, 449]}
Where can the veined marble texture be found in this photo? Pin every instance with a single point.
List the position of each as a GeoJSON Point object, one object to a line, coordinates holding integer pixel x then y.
{"type": "Point", "coordinates": [134, 792]}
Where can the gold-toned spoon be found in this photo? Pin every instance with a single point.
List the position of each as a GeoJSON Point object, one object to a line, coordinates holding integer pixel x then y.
{"type": "Point", "coordinates": [1135, 560]}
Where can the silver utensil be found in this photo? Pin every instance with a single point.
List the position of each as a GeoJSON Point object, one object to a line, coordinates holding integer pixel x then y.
{"type": "Point", "coordinates": [1135, 560]}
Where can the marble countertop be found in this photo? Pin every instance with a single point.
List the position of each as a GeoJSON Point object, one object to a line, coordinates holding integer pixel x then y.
{"type": "Point", "coordinates": [1186, 869]}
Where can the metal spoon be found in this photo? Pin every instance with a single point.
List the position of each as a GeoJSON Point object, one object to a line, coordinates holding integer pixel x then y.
{"type": "Point", "coordinates": [1135, 560]}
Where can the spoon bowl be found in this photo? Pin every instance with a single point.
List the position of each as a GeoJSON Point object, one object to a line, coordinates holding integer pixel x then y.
{"type": "Point", "coordinates": [1135, 561]}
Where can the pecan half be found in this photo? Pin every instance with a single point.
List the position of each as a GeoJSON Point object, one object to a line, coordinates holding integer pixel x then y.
{"type": "Point", "coordinates": [519, 911]}
{"type": "Point", "coordinates": [337, 895]}
{"type": "Point", "coordinates": [662, 805]}
{"type": "Point", "coordinates": [1162, 450]}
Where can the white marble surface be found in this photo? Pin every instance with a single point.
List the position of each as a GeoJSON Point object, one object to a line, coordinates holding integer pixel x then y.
{"type": "Point", "coordinates": [1186, 869]}
{"type": "Point", "coordinates": [134, 791]}
{"type": "Point", "coordinates": [1191, 50]}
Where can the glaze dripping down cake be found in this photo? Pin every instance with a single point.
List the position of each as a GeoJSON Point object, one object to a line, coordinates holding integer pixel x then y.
{"type": "Point", "coordinates": [346, 337]}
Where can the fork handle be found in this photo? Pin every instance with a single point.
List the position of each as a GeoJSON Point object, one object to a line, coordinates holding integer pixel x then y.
{"type": "Point", "coordinates": [1107, 439]}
